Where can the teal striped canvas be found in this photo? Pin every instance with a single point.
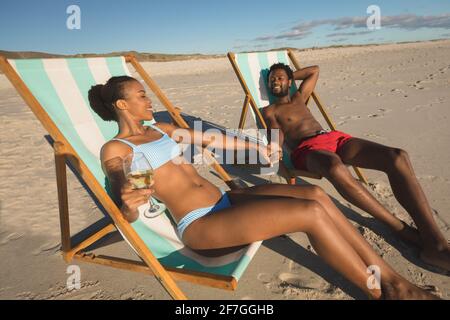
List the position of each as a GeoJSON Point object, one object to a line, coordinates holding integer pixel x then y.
{"type": "Point", "coordinates": [61, 86]}
{"type": "Point", "coordinates": [254, 68]}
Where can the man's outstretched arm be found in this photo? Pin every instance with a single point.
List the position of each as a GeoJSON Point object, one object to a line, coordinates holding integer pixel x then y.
{"type": "Point", "coordinates": [309, 75]}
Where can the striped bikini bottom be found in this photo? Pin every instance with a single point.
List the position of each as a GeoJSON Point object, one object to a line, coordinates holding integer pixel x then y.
{"type": "Point", "coordinates": [223, 203]}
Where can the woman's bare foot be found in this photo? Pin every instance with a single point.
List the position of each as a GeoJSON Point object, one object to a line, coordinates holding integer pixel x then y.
{"type": "Point", "coordinates": [403, 290]}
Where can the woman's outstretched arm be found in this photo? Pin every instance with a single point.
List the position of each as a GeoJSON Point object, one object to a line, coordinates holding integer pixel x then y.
{"type": "Point", "coordinates": [215, 139]}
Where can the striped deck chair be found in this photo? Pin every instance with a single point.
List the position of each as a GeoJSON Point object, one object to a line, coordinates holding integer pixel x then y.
{"type": "Point", "coordinates": [252, 69]}
{"type": "Point", "coordinates": [56, 91]}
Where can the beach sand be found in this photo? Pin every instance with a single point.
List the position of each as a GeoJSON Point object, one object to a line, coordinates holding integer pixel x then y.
{"type": "Point", "coordinates": [396, 94]}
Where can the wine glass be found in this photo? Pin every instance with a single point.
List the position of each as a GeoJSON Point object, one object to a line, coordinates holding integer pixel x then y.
{"type": "Point", "coordinates": [139, 173]}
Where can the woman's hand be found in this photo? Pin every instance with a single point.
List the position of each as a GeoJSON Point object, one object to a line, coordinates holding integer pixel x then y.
{"type": "Point", "coordinates": [275, 152]}
{"type": "Point", "coordinates": [271, 153]}
{"type": "Point", "coordinates": [132, 199]}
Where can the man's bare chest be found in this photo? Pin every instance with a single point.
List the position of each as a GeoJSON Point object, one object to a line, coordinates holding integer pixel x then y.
{"type": "Point", "coordinates": [291, 114]}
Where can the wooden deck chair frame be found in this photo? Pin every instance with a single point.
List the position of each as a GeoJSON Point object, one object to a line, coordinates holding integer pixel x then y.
{"type": "Point", "coordinates": [289, 174]}
{"type": "Point", "coordinates": [64, 153]}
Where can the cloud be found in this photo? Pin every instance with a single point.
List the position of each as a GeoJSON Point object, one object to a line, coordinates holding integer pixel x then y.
{"type": "Point", "coordinates": [290, 35]}
{"type": "Point", "coordinates": [413, 22]}
{"type": "Point", "coordinates": [405, 21]}
{"type": "Point", "coordinates": [338, 34]}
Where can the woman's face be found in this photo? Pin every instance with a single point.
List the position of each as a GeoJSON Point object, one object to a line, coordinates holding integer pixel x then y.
{"type": "Point", "coordinates": [138, 104]}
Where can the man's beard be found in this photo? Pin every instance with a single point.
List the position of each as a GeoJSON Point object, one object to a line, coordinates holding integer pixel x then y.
{"type": "Point", "coordinates": [282, 93]}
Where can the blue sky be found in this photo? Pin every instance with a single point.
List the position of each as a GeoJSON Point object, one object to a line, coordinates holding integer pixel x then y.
{"type": "Point", "coordinates": [214, 27]}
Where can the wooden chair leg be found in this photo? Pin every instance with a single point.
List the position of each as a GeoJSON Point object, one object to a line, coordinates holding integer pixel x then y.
{"type": "Point", "coordinates": [61, 182]}
{"type": "Point", "coordinates": [90, 240]}
{"type": "Point", "coordinates": [360, 175]}
{"type": "Point", "coordinates": [244, 113]}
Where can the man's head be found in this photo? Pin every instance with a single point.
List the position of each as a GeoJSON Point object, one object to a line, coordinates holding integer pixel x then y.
{"type": "Point", "coordinates": [279, 79]}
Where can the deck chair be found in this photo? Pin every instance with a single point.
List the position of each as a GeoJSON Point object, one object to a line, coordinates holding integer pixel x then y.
{"type": "Point", "coordinates": [56, 91]}
{"type": "Point", "coordinates": [251, 70]}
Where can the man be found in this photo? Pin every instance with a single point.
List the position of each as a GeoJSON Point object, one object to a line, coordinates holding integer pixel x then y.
{"type": "Point", "coordinates": [328, 154]}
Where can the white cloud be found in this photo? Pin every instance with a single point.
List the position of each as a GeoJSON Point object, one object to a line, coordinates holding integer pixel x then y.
{"type": "Point", "coordinates": [405, 21]}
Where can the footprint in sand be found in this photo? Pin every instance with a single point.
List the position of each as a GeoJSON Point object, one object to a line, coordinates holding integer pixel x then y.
{"type": "Point", "coordinates": [47, 249]}
{"type": "Point", "coordinates": [265, 278]}
{"type": "Point", "coordinates": [11, 237]}
{"type": "Point", "coordinates": [443, 70]}
{"type": "Point", "coordinates": [134, 294]}
{"type": "Point", "coordinates": [347, 98]}
{"type": "Point", "coordinates": [417, 85]}
{"type": "Point", "coordinates": [381, 113]}
{"type": "Point", "coordinates": [373, 135]}
{"type": "Point", "coordinates": [299, 281]}
{"type": "Point", "coordinates": [398, 90]}
{"type": "Point", "coordinates": [353, 117]}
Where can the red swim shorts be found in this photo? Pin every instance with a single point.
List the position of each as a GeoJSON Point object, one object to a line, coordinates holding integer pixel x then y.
{"type": "Point", "coordinates": [331, 141]}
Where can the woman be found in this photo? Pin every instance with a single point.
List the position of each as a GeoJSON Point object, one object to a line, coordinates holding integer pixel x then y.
{"type": "Point", "coordinates": [210, 219]}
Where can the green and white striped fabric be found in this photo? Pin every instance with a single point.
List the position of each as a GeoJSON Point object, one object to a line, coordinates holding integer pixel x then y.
{"type": "Point", "coordinates": [61, 86]}
{"type": "Point", "coordinates": [254, 68]}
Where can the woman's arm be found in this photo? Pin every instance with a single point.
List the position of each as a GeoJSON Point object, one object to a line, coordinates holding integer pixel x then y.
{"type": "Point", "coordinates": [126, 198]}
{"type": "Point", "coordinates": [214, 139]}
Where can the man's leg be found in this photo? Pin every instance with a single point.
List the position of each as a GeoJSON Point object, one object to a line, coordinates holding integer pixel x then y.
{"type": "Point", "coordinates": [330, 166]}
{"type": "Point", "coordinates": [407, 190]}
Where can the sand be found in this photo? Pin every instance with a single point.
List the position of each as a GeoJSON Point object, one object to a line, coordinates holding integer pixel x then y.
{"type": "Point", "coordinates": [396, 94]}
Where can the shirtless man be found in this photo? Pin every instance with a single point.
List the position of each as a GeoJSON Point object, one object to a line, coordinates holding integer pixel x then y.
{"type": "Point", "coordinates": [328, 154]}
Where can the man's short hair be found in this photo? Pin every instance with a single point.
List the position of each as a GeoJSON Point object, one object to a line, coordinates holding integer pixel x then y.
{"type": "Point", "coordinates": [284, 67]}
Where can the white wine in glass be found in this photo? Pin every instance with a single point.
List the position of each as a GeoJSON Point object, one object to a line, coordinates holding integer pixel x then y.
{"type": "Point", "coordinates": [139, 173]}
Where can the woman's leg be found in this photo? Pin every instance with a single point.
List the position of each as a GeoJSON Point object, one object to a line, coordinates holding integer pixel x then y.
{"type": "Point", "coordinates": [251, 221]}
{"type": "Point", "coordinates": [348, 231]}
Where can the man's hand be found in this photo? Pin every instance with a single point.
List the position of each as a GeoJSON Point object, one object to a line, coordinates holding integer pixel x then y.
{"type": "Point", "coordinates": [275, 152]}
{"type": "Point", "coordinates": [272, 153]}
{"type": "Point", "coordinates": [132, 199]}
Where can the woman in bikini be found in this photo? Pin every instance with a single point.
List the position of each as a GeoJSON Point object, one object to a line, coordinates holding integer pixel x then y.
{"type": "Point", "coordinates": [209, 218]}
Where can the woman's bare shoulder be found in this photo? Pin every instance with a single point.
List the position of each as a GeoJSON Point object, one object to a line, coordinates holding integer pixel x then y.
{"type": "Point", "coordinates": [114, 148]}
{"type": "Point", "coordinates": [113, 152]}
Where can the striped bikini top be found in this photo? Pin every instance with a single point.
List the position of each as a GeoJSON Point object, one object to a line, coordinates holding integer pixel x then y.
{"type": "Point", "coordinates": [157, 152]}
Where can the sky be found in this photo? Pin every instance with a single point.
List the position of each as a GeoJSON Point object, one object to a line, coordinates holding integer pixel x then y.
{"type": "Point", "coordinates": [212, 26]}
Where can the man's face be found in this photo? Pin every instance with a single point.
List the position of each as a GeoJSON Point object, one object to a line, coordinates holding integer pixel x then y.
{"type": "Point", "coordinates": [279, 83]}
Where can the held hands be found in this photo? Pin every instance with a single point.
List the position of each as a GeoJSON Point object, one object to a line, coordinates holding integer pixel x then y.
{"type": "Point", "coordinates": [275, 152]}
{"type": "Point", "coordinates": [132, 199]}
{"type": "Point", "coordinates": [272, 153]}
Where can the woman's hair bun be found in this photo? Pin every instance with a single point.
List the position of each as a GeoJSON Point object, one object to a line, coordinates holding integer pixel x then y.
{"type": "Point", "coordinates": [103, 97]}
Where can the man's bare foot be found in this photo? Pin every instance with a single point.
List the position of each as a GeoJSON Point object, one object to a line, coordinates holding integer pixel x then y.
{"type": "Point", "coordinates": [403, 290]}
{"type": "Point", "coordinates": [410, 235]}
{"type": "Point", "coordinates": [437, 258]}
